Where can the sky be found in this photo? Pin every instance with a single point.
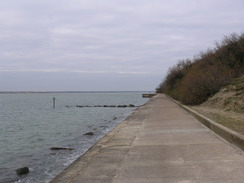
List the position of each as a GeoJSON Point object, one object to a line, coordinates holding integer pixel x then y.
{"type": "Point", "coordinates": [106, 45]}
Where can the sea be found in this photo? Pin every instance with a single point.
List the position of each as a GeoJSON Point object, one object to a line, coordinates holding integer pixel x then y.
{"type": "Point", "coordinates": [30, 125]}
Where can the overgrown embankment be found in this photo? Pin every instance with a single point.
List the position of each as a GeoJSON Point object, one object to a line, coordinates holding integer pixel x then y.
{"type": "Point", "coordinates": [227, 106]}
{"type": "Point", "coordinates": [229, 98]}
{"type": "Point", "coordinates": [194, 81]}
{"type": "Point", "coordinates": [212, 83]}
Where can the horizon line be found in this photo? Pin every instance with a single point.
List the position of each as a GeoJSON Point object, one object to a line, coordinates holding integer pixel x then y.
{"type": "Point", "coordinates": [102, 91]}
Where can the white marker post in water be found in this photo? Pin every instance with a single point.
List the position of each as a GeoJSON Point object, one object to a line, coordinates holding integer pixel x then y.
{"type": "Point", "coordinates": [54, 100]}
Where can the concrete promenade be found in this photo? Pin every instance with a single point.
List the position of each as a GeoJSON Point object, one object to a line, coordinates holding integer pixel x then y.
{"type": "Point", "coordinates": [158, 143]}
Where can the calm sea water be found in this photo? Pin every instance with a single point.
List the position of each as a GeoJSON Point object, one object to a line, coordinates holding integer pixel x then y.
{"type": "Point", "coordinates": [29, 127]}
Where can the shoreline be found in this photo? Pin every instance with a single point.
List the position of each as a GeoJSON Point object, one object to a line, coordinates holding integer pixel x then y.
{"type": "Point", "coordinates": [81, 161]}
{"type": "Point", "coordinates": [158, 142]}
{"type": "Point", "coordinates": [43, 128]}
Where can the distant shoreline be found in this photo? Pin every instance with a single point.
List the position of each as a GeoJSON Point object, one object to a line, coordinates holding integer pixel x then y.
{"type": "Point", "coordinates": [26, 92]}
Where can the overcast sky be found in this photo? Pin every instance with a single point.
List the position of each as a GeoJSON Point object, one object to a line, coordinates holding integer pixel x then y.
{"type": "Point", "coordinates": [104, 45]}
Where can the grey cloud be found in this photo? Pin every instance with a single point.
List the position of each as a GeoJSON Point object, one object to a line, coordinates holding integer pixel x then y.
{"type": "Point", "coordinates": [111, 38]}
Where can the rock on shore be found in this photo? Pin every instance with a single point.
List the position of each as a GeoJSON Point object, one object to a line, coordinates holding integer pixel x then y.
{"type": "Point", "coordinates": [22, 171]}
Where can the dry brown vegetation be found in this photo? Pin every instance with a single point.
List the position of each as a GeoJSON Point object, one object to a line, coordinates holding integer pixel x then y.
{"type": "Point", "coordinates": [229, 98]}
{"type": "Point", "coordinates": [193, 81]}
{"type": "Point", "coordinates": [227, 106]}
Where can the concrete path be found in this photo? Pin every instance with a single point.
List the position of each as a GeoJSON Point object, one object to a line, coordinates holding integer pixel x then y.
{"type": "Point", "coordinates": [158, 143]}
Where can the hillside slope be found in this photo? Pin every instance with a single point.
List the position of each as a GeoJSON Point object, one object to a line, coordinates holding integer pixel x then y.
{"type": "Point", "coordinates": [229, 98]}
{"type": "Point", "coordinates": [227, 106]}
{"type": "Point", "coordinates": [194, 81]}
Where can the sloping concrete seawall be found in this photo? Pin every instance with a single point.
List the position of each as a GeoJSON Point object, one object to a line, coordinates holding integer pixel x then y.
{"type": "Point", "coordinates": [159, 142]}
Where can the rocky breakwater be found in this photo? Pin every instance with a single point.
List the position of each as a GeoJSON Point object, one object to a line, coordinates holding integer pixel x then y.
{"type": "Point", "coordinates": [111, 106]}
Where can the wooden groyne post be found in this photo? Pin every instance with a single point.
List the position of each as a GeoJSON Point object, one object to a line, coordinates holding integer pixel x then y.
{"type": "Point", "coordinates": [54, 102]}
